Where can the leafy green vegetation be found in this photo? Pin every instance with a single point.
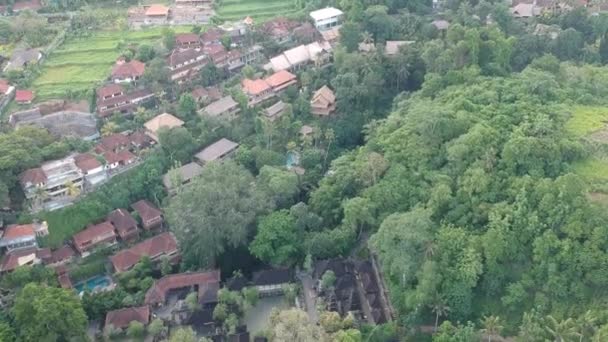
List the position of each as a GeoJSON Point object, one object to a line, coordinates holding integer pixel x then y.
{"type": "Point", "coordinates": [257, 9]}
{"type": "Point", "coordinates": [586, 120]}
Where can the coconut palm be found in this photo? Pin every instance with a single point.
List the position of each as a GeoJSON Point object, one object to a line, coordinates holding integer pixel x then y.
{"type": "Point", "coordinates": [439, 308]}
{"type": "Point", "coordinates": [561, 331]}
{"type": "Point", "coordinates": [586, 324]}
{"type": "Point", "coordinates": [72, 189]}
{"type": "Point", "coordinates": [367, 38]}
{"type": "Point", "coordinates": [491, 326]}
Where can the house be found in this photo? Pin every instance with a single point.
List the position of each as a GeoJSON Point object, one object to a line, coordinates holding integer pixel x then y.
{"type": "Point", "coordinates": [124, 223]}
{"type": "Point", "coordinates": [299, 56]}
{"type": "Point", "coordinates": [23, 58]}
{"type": "Point", "coordinates": [279, 29]}
{"type": "Point", "coordinates": [61, 256]}
{"type": "Point", "coordinates": [115, 160]}
{"type": "Point", "coordinates": [212, 36]}
{"type": "Point", "coordinates": [151, 217]}
{"type": "Point", "coordinates": [94, 236]}
{"type": "Point", "coordinates": [392, 46]}
{"type": "Point", "coordinates": [257, 91]}
{"type": "Point", "coordinates": [185, 63]}
{"type": "Point", "coordinates": [121, 318]}
{"type": "Point", "coordinates": [55, 178]}
{"type": "Point", "coordinates": [323, 102]}
{"type": "Point", "coordinates": [523, 10]}
{"type": "Point", "coordinates": [24, 96]}
{"type": "Point", "coordinates": [156, 14]}
{"type": "Point", "coordinates": [19, 257]}
{"type": "Point", "coordinates": [63, 277]}
{"type": "Point", "coordinates": [206, 95]}
{"type": "Point", "coordinates": [305, 33]}
{"type": "Point", "coordinates": [275, 111]}
{"type": "Point", "coordinates": [128, 72]}
{"type": "Point", "coordinates": [206, 284]}
{"type": "Point", "coordinates": [114, 142]}
{"type": "Point", "coordinates": [218, 151]}
{"type": "Point", "coordinates": [22, 236]}
{"type": "Point", "coordinates": [184, 175]}
{"type": "Point", "coordinates": [187, 40]}
{"type": "Point", "coordinates": [156, 248]}
{"type": "Point", "coordinates": [224, 108]}
{"type": "Point", "coordinates": [327, 18]}
{"type": "Point", "coordinates": [164, 120]}
{"type": "Point", "coordinates": [94, 172]}
{"type": "Point", "coordinates": [280, 80]}
{"type": "Point", "coordinates": [270, 282]}
{"type": "Point", "coordinates": [113, 98]}
{"type": "Point", "coordinates": [139, 141]}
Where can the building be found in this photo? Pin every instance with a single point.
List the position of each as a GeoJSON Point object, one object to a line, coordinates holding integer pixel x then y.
{"type": "Point", "coordinates": [187, 40]}
{"type": "Point", "coordinates": [279, 29]}
{"type": "Point", "coordinates": [524, 10]}
{"type": "Point", "coordinates": [195, 3]}
{"type": "Point", "coordinates": [19, 257]}
{"type": "Point", "coordinates": [24, 96]}
{"type": "Point", "coordinates": [206, 284]}
{"type": "Point", "coordinates": [114, 142]}
{"type": "Point", "coordinates": [121, 318]}
{"type": "Point", "coordinates": [113, 98]}
{"type": "Point", "coordinates": [183, 175]}
{"type": "Point", "coordinates": [164, 120]}
{"type": "Point", "coordinates": [124, 223]}
{"type": "Point", "coordinates": [218, 151]}
{"type": "Point", "coordinates": [280, 80]}
{"type": "Point", "coordinates": [257, 91]}
{"type": "Point", "coordinates": [323, 102]}
{"type": "Point", "coordinates": [392, 47]}
{"type": "Point", "coordinates": [306, 131]}
{"type": "Point", "coordinates": [318, 53]}
{"type": "Point", "coordinates": [156, 14]}
{"type": "Point", "coordinates": [151, 217]}
{"type": "Point", "coordinates": [205, 95]}
{"type": "Point", "coordinates": [94, 172]}
{"type": "Point", "coordinates": [156, 248]}
{"type": "Point", "coordinates": [94, 236]}
{"type": "Point", "coordinates": [52, 179]}
{"type": "Point", "coordinates": [22, 236]}
{"type": "Point", "coordinates": [327, 18]}
{"type": "Point", "coordinates": [212, 36]}
{"type": "Point", "coordinates": [224, 108]}
{"type": "Point", "coordinates": [139, 141]}
{"type": "Point", "coordinates": [115, 160]}
{"type": "Point", "coordinates": [185, 63]}
{"type": "Point", "coordinates": [128, 72]}
{"type": "Point", "coordinates": [61, 256]}
{"type": "Point", "coordinates": [275, 111]}
{"type": "Point", "coordinates": [441, 25]}
{"type": "Point", "coordinates": [271, 282]}
{"type": "Point", "coordinates": [22, 59]}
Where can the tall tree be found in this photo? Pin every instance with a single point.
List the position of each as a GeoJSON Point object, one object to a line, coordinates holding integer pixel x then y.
{"type": "Point", "coordinates": [277, 241]}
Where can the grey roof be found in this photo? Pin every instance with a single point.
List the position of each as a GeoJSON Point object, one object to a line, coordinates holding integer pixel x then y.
{"type": "Point", "coordinates": [275, 109]}
{"type": "Point", "coordinates": [187, 172]}
{"type": "Point", "coordinates": [221, 106]}
{"type": "Point", "coordinates": [22, 57]}
{"type": "Point", "coordinates": [216, 150]}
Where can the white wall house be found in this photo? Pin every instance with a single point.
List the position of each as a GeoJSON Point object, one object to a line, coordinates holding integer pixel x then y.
{"type": "Point", "coordinates": [327, 18]}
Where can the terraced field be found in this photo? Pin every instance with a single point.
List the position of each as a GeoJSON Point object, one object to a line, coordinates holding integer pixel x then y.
{"type": "Point", "coordinates": [257, 9]}
{"type": "Point", "coordinates": [80, 63]}
{"type": "Point", "coordinates": [590, 125]}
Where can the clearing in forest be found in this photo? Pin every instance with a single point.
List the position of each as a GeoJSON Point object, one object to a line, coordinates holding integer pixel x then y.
{"type": "Point", "coordinates": [591, 123]}
{"type": "Point", "coordinates": [232, 10]}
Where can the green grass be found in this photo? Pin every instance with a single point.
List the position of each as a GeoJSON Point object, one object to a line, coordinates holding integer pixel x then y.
{"type": "Point", "coordinates": [257, 9]}
{"type": "Point", "coordinates": [586, 120]}
{"type": "Point", "coordinates": [592, 169]}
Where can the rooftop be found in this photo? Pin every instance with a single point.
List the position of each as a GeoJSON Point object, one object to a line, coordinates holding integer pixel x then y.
{"type": "Point", "coordinates": [325, 13]}
{"type": "Point", "coordinates": [157, 10]}
{"type": "Point", "coordinates": [146, 210]}
{"type": "Point", "coordinates": [255, 87]}
{"type": "Point", "coordinates": [90, 233]}
{"type": "Point", "coordinates": [206, 281]}
{"type": "Point", "coordinates": [186, 172]}
{"type": "Point", "coordinates": [133, 68]}
{"type": "Point", "coordinates": [19, 231]}
{"type": "Point", "coordinates": [18, 258]}
{"type": "Point", "coordinates": [163, 120]}
{"type": "Point", "coordinates": [216, 150]}
{"type": "Point", "coordinates": [221, 106]}
{"type": "Point", "coordinates": [164, 243]}
{"type": "Point", "coordinates": [22, 95]}
{"type": "Point", "coordinates": [122, 220]}
{"type": "Point", "coordinates": [280, 77]}
{"type": "Point", "coordinates": [121, 318]}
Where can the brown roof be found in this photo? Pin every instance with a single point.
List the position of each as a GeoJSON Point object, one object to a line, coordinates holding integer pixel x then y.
{"type": "Point", "coordinates": [157, 10]}
{"type": "Point", "coordinates": [205, 281]}
{"type": "Point", "coordinates": [279, 78]}
{"type": "Point", "coordinates": [33, 176]}
{"type": "Point", "coordinates": [133, 68]}
{"type": "Point", "coordinates": [255, 87]}
{"type": "Point", "coordinates": [140, 138]}
{"type": "Point", "coordinates": [44, 253]}
{"type": "Point", "coordinates": [109, 90]}
{"type": "Point", "coordinates": [3, 86]}
{"type": "Point", "coordinates": [121, 318]}
{"type": "Point", "coordinates": [64, 253]}
{"type": "Point", "coordinates": [64, 281]}
{"type": "Point", "coordinates": [146, 210]}
{"type": "Point", "coordinates": [122, 156]}
{"type": "Point", "coordinates": [178, 57]}
{"type": "Point", "coordinates": [17, 231]}
{"type": "Point", "coordinates": [86, 162]}
{"type": "Point", "coordinates": [186, 38]}
{"type": "Point", "coordinates": [122, 220]}
{"type": "Point", "coordinates": [17, 258]}
{"type": "Point", "coordinates": [163, 120]}
{"type": "Point", "coordinates": [216, 150]}
{"type": "Point", "coordinates": [92, 232]}
{"type": "Point", "coordinates": [325, 94]}
{"type": "Point", "coordinates": [212, 35]}
{"type": "Point", "coordinates": [164, 243]}
{"type": "Point", "coordinates": [114, 141]}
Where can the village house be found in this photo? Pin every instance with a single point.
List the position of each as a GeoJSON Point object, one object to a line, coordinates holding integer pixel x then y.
{"type": "Point", "coordinates": [23, 58]}
{"type": "Point", "coordinates": [164, 120]}
{"type": "Point", "coordinates": [187, 40]}
{"type": "Point", "coordinates": [196, 3]}
{"type": "Point", "coordinates": [205, 284]}
{"type": "Point", "coordinates": [279, 29]}
{"type": "Point", "coordinates": [440, 25]}
{"type": "Point", "coordinates": [113, 98]}
{"type": "Point", "coordinates": [140, 141]}
{"type": "Point", "coordinates": [206, 95]}
{"type": "Point", "coordinates": [114, 142]}
{"type": "Point", "coordinates": [318, 53]}
{"type": "Point", "coordinates": [184, 64]}
{"type": "Point", "coordinates": [327, 18]}
{"type": "Point", "coordinates": [271, 282]}
{"type": "Point", "coordinates": [94, 236]}
{"type": "Point", "coordinates": [151, 217]}
{"type": "Point", "coordinates": [156, 248]}
{"type": "Point", "coordinates": [61, 256]}
{"type": "Point", "coordinates": [24, 96]}
{"type": "Point", "coordinates": [218, 151]}
{"type": "Point", "coordinates": [275, 111]}
{"type": "Point", "coordinates": [121, 318]}
{"type": "Point", "coordinates": [280, 80]}
{"type": "Point", "coordinates": [115, 160]}
{"type": "Point", "coordinates": [156, 14]}
{"type": "Point", "coordinates": [63, 277]}
{"type": "Point", "coordinates": [54, 178]}
{"type": "Point", "coordinates": [323, 102]}
{"type": "Point", "coordinates": [224, 108]}
{"type": "Point", "coordinates": [124, 223]}
{"type": "Point", "coordinates": [127, 72]}
{"type": "Point", "coordinates": [526, 10]}
{"type": "Point", "coordinates": [257, 91]}
{"type": "Point", "coordinates": [183, 175]}
{"type": "Point", "coordinates": [20, 257]}
{"type": "Point", "coordinates": [22, 236]}
{"type": "Point", "coordinates": [94, 172]}
{"type": "Point", "coordinates": [212, 36]}
{"type": "Point", "coordinates": [306, 131]}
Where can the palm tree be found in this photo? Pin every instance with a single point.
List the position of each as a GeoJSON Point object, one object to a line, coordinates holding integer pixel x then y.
{"type": "Point", "coordinates": [439, 308]}
{"type": "Point", "coordinates": [586, 325]}
{"type": "Point", "coordinates": [329, 136]}
{"type": "Point", "coordinates": [491, 326]}
{"type": "Point", "coordinates": [561, 331]}
{"type": "Point", "coordinates": [367, 38]}
{"type": "Point", "coordinates": [72, 189]}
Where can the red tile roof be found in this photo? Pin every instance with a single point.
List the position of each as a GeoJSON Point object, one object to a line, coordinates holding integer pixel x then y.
{"type": "Point", "coordinates": [19, 231]}
{"type": "Point", "coordinates": [44, 254]}
{"type": "Point", "coordinates": [122, 220]}
{"type": "Point", "coordinates": [279, 78]}
{"type": "Point", "coordinates": [212, 35]}
{"type": "Point", "coordinates": [204, 280]}
{"type": "Point", "coordinates": [24, 95]}
{"type": "Point", "coordinates": [33, 176]}
{"type": "Point", "coordinates": [114, 142]}
{"type": "Point", "coordinates": [121, 318]}
{"type": "Point", "coordinates": [3, 86]}
{"type": "Point", "coordinates": [255, 87]}
{"type": "Point", "coordinates": [186, 38]}
{"type": "Point", "coordinates": [130, 69]}
{"type": "Point", "coordinates": [146, 210]}
{"type": "Point", "coordinates": [122, 156]}
{"type": "Point", "coordinates": [164, 243]}
{"type": "Point", "coordinates": [109, 90]}
{"type": "Point", "coordinates": [157, 10]}
{"type": "Point", "coordinates": [62, 254]}
{"type": "Point", "coordinates": [89, 234]}
{"type": "Point", "coordinates": [86, 162]}
{"type": "Point", "coordinates": [17, 258]}
{"type": "Point", "coordinates": [140, 139]}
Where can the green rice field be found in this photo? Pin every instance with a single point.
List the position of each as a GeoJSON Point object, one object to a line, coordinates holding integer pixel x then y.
{"type": "Point", "coordinates": [257, 9]}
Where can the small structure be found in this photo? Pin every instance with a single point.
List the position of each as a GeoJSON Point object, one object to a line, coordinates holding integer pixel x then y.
{"type": "Point", "coordinates": [306, 131]}
{"type": "Point", "coordinates": [63, 277]}
{"type": "Point", "coordinates": [392, 46]}
{"type": "Point", "coordinates": [116, 160]}
{"type": "Point", "coordinates": [140, 141]}
{"type": "Point", "coordinates": [61, 256]}
{"type": "Point", "coordinates": [270, 282]}
{"type": "Point", "coordinates": [128, 72]}
{"type": "Point", "coordinates": [19, 257]}
{"type": "Point", "coordinates": [24, 96]}
{"type": "Point", "coordinates": [299, 56]}
{"type": "Point", "coordinates": [22, 236]}
{"type": "Point", "coordinates": [164, 120]}
{"type": "Point", "coordinates": [206, 95]}
{"type": "Point", "coordinates": [94, 236]}
{"type": "Point", "coordinates": [279, 29]}
{"type": "Point", "coordinates": [151, 217]}
{"type": "Point", "coordinates": [327, 18]}
{"type": "Point", "coordinates": [124, 223]}
{"type": "Point", "coordinates": [55, 178]}
{"type": "Point", "coordinates": [156, 14]}
{"type": "Point", "coordinates": [224, 108]}
{"type": "Point", "coordinates": [186, 62]}
{"type": "Point", "coordinates": [184, 174]}
{"type": "Point", "coordinates": [113, 98]}
{"type": "Point", "coordinates": [206, 284]}
{"type": "Point", "coordinates": [218, 151]}
{"type": "Point", "coordinates": [187, 40]}
{"type": "Point", "coordinates": [121, 318]}
{"type": "Point", "coordinates": [157, 247]}
{"type": "Point", "coordinates": [275, 111]}
{"type": "Point", "coordinates": [323, 102]}
{"type": "Point", "coordinates": [115, 142]}
{"type": "Point", "coordinates": [23, 58]}
{"type": "Point", "coordinates": [94, 172]}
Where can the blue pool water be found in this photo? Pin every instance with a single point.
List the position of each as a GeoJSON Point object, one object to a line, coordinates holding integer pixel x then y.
{"type": "Point", "coordinates": [292, 160]}
{"type": "Point", "coordinates": [92, 284]}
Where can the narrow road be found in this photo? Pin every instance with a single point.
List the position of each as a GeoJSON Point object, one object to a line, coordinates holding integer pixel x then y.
{"type": "Point", "coordinates": [309, 297]}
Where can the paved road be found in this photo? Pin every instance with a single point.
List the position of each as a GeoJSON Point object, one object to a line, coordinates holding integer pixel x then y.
{"type": "Point", "coordinates": [309, 297]}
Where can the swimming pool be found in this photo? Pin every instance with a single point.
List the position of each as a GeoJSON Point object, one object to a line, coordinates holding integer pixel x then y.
{"type": "Point", "coordinates": [97, 283]}
{"type": "Point", "coordinates": [293, 159]}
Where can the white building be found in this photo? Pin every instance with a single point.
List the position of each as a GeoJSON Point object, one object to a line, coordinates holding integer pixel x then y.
{"type": "Point", "coordinates": [327, 18]}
